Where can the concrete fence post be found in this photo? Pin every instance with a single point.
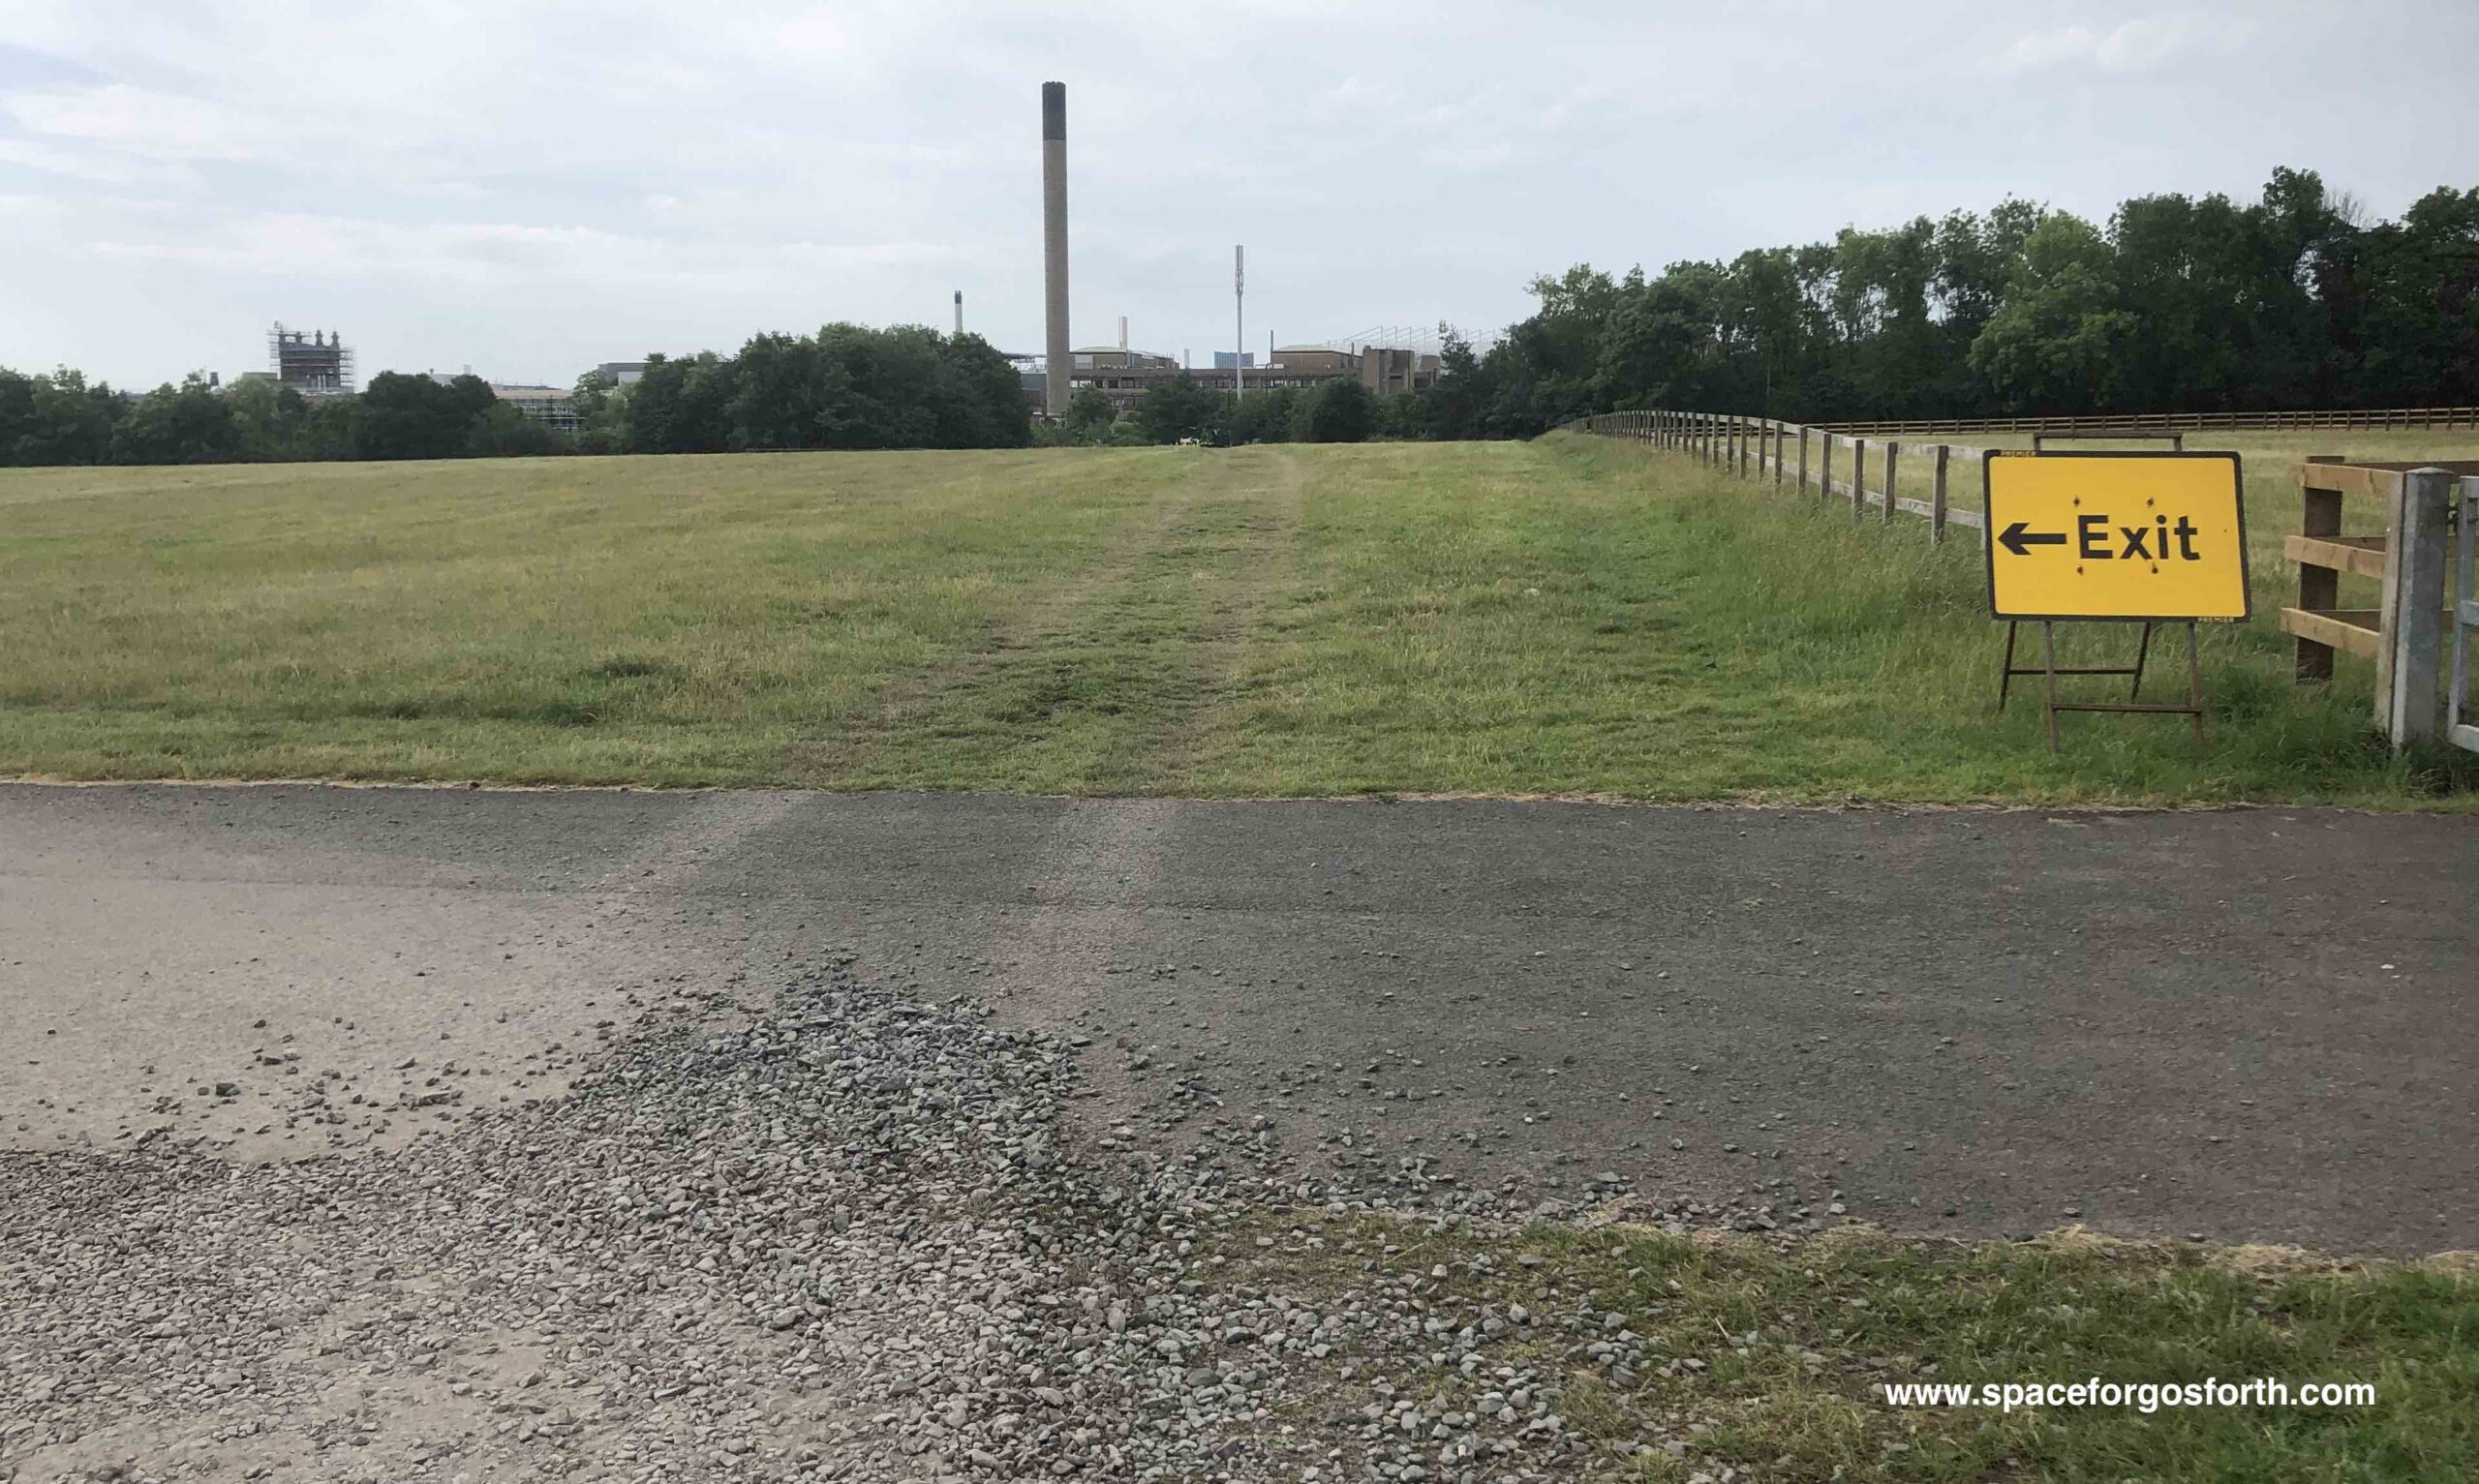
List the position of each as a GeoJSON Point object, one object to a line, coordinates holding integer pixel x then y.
{"type": "Point", "coordinates": [2413, 613]}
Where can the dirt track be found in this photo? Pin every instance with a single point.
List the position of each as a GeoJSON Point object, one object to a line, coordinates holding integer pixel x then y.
{"type": "Point", "coordinates": [2244, 1025]}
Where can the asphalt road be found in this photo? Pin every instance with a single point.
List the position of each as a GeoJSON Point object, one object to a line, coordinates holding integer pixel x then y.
{"type": "Point", "coordinates": [2253, 1025]}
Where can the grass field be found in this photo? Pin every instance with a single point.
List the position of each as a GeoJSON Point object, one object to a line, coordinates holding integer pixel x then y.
{"type": "Point", "coordinates": [1569, 616]}
{"type": "Point", "coordinates": [1770, 1357]}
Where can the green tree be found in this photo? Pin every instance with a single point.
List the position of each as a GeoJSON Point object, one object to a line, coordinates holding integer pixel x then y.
{"type": "Point", "coordinates": [184, 424]}
{"type": "Point", "coordinates": [1340, 412]}
{"type": "Point", "coordinates": [602, 413]}
{"type": "Point", "coordinates": [1456, 405]}
{"type": "Point", "coordinates": [2418, 335]}
{"type": "Point", "coordinates": [63, 420]}
{"type": "Point", "coordinates": [1089, 415]}
{"type": "Point", "coordinates": [1265, 415]}
{"type": "Point", "coordinates": [500, 431]}
{"type": "Point", "coordinates": [1174, 408]}
{"type": "Point", "coordinates": [2061, 342]}
{"type": "Point", "coordinates": [415, 415]}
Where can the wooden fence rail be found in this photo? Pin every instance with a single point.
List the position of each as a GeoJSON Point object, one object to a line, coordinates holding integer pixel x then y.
{"type": "Point", "coordinates": [2139, 424]}
{"type": "Point", "coordinates": [1758, 447]}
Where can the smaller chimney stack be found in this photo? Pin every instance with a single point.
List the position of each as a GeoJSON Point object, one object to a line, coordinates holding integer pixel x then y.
{"type": "Point", "coordinates": [1123, 332]}
{"type": "Point", "coordinates": [960, 312]}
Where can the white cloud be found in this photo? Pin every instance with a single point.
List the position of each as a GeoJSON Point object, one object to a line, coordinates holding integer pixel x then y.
{"type": "Point", "coordinates": [527, 187]}
{"type": "Point", "coordinates": [2136, 45]}
{"type": "Point", "coordinates": [501, 254]}
{"type": "Point", "coordinates": [138, 121]}
{"type": "Point", "coordinates": [2034, 50]}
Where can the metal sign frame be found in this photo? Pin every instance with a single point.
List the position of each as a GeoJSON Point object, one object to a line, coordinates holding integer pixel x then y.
{"type": "Point", "coordinates": [1988, 547]}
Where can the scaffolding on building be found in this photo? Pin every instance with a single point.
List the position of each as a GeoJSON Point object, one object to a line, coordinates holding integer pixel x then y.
{"type": "Point", "coordinates": [1420, 340]}
{"type": "Point", "coordinates": [316, 363]}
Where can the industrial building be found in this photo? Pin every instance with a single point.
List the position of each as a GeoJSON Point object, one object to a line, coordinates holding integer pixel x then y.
{"type": "Point", "coordinates": [312, 362]}
{"type": "Point", "coordinates": [553, 406]}
{"type": "Point", "coordinates": [1126, 376]}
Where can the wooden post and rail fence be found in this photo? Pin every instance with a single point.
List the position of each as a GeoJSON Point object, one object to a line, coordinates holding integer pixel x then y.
{"type": "Point", "coordinates": [2418, 618]}
{"type": "Point", "coordinates": [2422, 616]}
{"type": "Point", "coordinates": [1762, 448]}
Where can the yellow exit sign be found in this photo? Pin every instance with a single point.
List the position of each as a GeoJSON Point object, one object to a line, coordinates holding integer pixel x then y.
{"type": "Point", "coordinates": [2115, 536]}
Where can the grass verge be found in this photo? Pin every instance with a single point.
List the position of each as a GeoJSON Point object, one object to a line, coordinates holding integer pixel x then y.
{"type": "Point", "coordinates": [1677, 1357]}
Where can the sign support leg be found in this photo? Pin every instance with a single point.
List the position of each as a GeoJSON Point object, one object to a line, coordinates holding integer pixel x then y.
{"type": "Point", "coordinates": [2048, 634]}
{"type": "Point", "coordinates": [2005, 672]}
{"type": "Point", "coordinates": [2143, 652]}
{"type": "Point", "coordinates": [2195, 688]}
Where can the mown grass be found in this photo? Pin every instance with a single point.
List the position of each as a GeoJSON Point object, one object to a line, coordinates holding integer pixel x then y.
{"type": "Point", "coordinates": [654, 620]}
{"type": "Point", "coordinates": [1770, 1355]}
{"type": "Point", "coordinates": [1579, 611]}
{"type": "Point", "coordinates": [1564, 616]}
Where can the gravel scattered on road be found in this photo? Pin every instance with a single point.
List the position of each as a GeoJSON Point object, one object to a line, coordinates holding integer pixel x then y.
{"type": "Point", "coordinates": [853, 1237]}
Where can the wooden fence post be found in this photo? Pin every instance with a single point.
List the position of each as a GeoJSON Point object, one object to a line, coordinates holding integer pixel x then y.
{"type": "Point", "coordinates": [1780, 433]}
{"type": "Point", "coordinates": [1824, 473]}
{"type": "Point", "coordinates": [2414, 597]}
{"type": "Point", "coordinates": [1858, 477]}
{"type": "Point", "coordinates": [1803, 459]}
{"type": "Point", "coordinates": [1937, 499]}
{"type": "Point", "coordinates": [2319, 588]}
{"type": "Point", "coordinates": [1890, 448]}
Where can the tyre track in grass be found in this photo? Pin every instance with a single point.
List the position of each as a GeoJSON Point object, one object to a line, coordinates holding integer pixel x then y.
{"type": "Point", "coordinates": [1229, 637]}
{"type": "Point", "coordinates": [1095, 690]}
{"type": "Point", "coordinates": [831, 760]}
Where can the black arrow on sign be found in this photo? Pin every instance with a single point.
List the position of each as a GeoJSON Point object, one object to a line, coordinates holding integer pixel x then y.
{"type": "Point", "coordinates": [2014, 538]}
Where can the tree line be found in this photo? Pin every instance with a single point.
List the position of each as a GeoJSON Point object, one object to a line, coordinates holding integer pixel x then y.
{"type": "Point", "coordinates": [2174, 304]}
{"type": "Point", "coordinates": [846, 386]}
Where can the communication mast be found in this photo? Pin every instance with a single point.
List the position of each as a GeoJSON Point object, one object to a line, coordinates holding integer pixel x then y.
{"type": "Point", "coordinates": [1239, 322]}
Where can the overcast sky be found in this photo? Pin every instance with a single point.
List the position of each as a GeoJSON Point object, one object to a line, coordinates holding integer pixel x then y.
{"type": "Point", "coordinates": [529, 189]}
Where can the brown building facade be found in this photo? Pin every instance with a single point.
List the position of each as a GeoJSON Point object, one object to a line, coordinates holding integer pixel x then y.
{"type": "Point", "coordinates": [1126, 376]}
